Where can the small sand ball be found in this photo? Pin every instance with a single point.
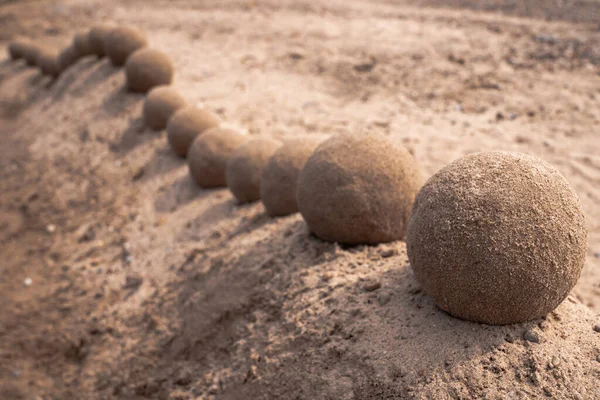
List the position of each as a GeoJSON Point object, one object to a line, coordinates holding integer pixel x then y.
{"type": "Point", "coordinates": [96, 38]}
{"type": "Point", "coordinates": [30, 53]}
{"type": "Point", "coordinates": [497, 238]}
{"type": "Point", "coordinates": [147, 68]}
{"type": "Point", "coordinates": [123, 41]}
{"type": "Point", "coordinates": [66, 58]}
{"type": "Point", "coordinates": [243, 169]}
{"type": "Point", "coordinates": [358, 189]}
{"type": "Point", "coordinates": [81, 44]}
{"type": "Point", "coordinates": [161, 103]}
{"type": "Point", "coordinates": [186, 124]}
{"type": "Point", "coordinates": [16, 48]}
{"type": "Point", "coordinates": [279, 177]}
{"type": "Point", "coordinates": [48, 62]}
{"type": "Point", "coordinates": [209, 153]}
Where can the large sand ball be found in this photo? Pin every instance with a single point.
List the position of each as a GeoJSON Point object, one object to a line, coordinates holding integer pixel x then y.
{"type": "Point", "coordinates": [81, 44]}
{"type": "Point", "coordinates": [280, 176]}
{"type": "Point", "coordinates": [17, 48]}
{"type": "Point", "coordinates": [96, 38]}
{"type": "Point", "coordinates": [48, 62]}
{"type": "Point", "coordinates": [67, 57]}
{"type": "Point", "coordinates": [121, 42]}
{"type": "Point", "coordinates": [161, 103]}
{"type": "Point", "coordinates": [243, 169]}
{"type": "Point", "coordinates": [148, 68]}
{"type": "Point", "coordinates": [186, 124]}
{"type": "Point", "coordinates": [497, 238]}
{"type": "Point", "coordinates": [209, 153]}
{"type": "Point", "coordinates": [358, 189]}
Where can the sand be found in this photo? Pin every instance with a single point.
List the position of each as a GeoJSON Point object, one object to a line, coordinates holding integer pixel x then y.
{"type": "Point", "coordinates": [142, 285]}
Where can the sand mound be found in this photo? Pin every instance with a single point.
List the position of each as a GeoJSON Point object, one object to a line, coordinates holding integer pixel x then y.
{"type": "Point", "coordinates": [186, 124]}
{"type": "Point", "coordinates": [243, 169]}
{"type": "Point", "coordinates": [209, 153]}
{"type": "Point", "coordinates": [358, 189]}
{"type": "Point", "coordinates": [161, 103]}
{"type": "Point", "coordinates": [97, 37]}
{"type": "Point", "coordinates": [123, 41]}
{"type": "Point", "coordinates": [280, 176]}
{"type": "Point", "coordinates": [497, 238]}
{"type": "Point", "coordinates": [148, 68]}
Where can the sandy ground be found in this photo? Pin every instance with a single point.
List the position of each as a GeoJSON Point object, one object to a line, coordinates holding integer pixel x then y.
{"type": "Point", "coordinates": [144, 286]}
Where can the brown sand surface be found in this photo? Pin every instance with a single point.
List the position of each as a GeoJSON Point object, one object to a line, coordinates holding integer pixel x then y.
{"type": "Point", "coordinates": [145, 286]}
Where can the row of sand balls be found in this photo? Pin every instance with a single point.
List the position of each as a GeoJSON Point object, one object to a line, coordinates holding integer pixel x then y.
{"type": "Point", "coordinates": [477, 243]}
{"type": "Point", "coordinates": [493, 237]}
{"type": "Point", "coordinates": [123, 45]}
{"type": "Point", "coordinates": [252, 168]}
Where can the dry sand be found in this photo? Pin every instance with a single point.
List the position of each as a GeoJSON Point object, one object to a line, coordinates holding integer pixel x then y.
{"type": "Point", "coordinates": [145, 286]}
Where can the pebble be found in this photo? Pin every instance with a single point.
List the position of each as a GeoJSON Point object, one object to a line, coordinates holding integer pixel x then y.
{"type": "Point", "coordinates": [50, 228]}
{"type": "Point", "coordinates": [555, 362]}
{"type": "Point", "coordinates": [384, 298]}
{"type": "Point", "coordinates": [531, 336]}
{"type": "Point", "coordinates": [371, 286]}
{"type": "Point", "coordinates": [27, 282]}
{"type": "Point", "coordinates": [133, 282]}
{"type": "Point", "coordinates": [388, 253]}
{"type": "Point", "coordinates": [597, 328]}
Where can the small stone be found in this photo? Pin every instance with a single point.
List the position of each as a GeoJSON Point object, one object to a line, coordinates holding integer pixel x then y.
{"type": "Point", "coordinates": [597, 328]}
{"type": "Point", "coordinates": [555, 362]}
{"type": "Point", "coordinates": [388, 253]}
{"type": "Point", "coordinates": [51, 228]}
{"type": "Point", "coordinates": [384, 298]}
{"type": "Point", "coordinates": [531, 336]}
{"type": "Point", "coordinates": [27, 282]}
{"type": "Point", "coordinates": [371, 286]}
{"type": "Point", "coordinates": [133, 282]}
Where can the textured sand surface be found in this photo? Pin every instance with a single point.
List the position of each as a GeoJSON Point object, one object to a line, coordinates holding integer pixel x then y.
{"type": "Point", "coordinates": [142, 285]}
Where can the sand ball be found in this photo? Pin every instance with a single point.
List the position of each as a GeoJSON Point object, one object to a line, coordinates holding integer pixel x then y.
{"type": "Point", "coordinates": [30, 53]}
{"type": "Point", "coordinates": [497, 238]}
{"type": "Point", "coordinates": [121, 42]}
{"type": "Point", "coordinates": [358, 189]}
{"type": "Point", "coordinates": [161, 103]}
{"type": "Point", "coordinates": [209, 153]}
{"type": "Point", "coordinates": [17, 48]}
{"type": "Point", "coordinates": [243, 169]}
{"type": "Point", "coordinates": [66, 58]}
{"type": "Point", "coordinates": [48, 62]}
{"type": "Point", "coordinates": [147, 68]}
{"type": "Point", "coordinates": [96, 38]}
{"type": "Point", "coordinates": [81, 44]}
{"type": "Point", "coordinates": [186, 124]}
{"type": "Point", "coordinates": [279, 177]}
